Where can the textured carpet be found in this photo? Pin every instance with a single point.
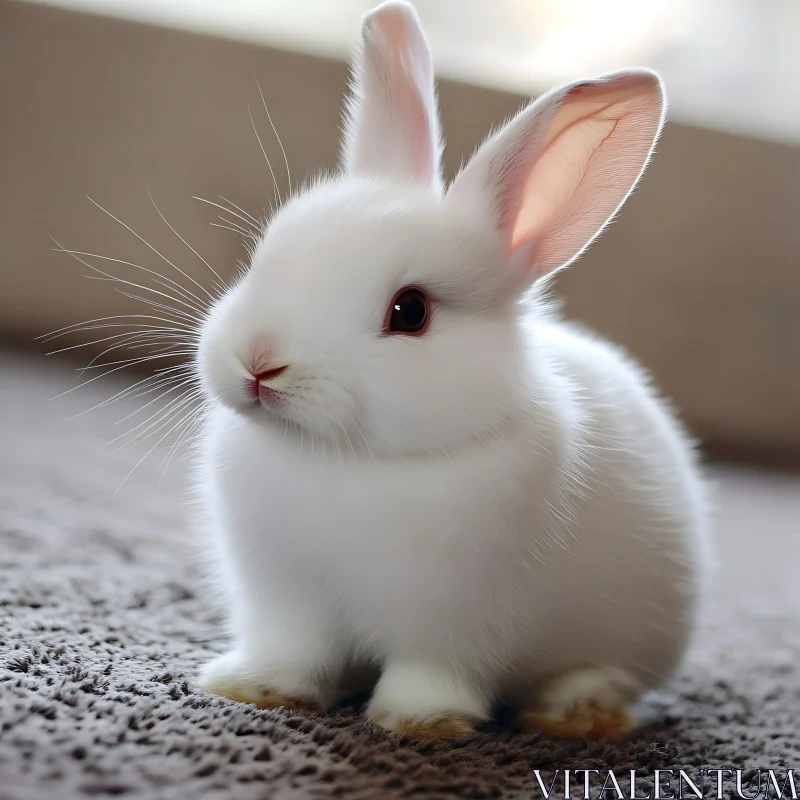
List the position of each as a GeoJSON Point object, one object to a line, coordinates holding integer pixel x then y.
{"type": "Point", "coordinates": [104, 621]}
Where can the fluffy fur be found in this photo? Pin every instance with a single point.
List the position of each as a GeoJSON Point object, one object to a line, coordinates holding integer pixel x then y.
{"type": "Point", "coordinates": [499, 507]}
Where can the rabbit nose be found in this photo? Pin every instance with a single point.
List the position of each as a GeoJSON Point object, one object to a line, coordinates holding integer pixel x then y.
{"type": "Point", "coordinates": [259, 382]}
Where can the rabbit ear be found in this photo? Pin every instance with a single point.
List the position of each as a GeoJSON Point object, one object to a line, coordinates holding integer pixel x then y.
{"type": "Point", "coordinates": [553, 178]}
{"type": "Point", "coordinates": [391, 125]}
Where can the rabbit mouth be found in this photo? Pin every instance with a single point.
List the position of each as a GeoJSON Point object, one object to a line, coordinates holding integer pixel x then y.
{"type": "Point", "coordinates": [269, 397]}
{"type": "Point", "coordinates": [262, 392]}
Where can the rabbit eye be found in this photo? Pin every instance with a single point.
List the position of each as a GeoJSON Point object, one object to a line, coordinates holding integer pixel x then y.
{"type": "Point", "coordinates": [408, 313]}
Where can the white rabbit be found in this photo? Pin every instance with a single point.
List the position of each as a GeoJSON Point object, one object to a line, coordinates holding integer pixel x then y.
{"type": "Point", "coordinates": [411, 462]}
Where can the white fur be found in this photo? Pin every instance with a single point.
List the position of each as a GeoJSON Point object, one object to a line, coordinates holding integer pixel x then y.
{"type": "Point", "coordinates": [474, 510]}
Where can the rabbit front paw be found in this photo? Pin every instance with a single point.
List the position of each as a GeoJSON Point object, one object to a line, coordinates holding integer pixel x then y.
{"type": "Point", "coordinates": [439, 725]}
{"type": "Point", "coordinates": [426, 702]}
{"type": "Point", "coordinates": [591, 703]}
{"type": "Point", "coordinates": [264, 685]}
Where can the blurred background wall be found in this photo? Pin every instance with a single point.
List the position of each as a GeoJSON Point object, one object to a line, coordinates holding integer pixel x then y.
{"type": "Point", "coordinates": [121, 100]}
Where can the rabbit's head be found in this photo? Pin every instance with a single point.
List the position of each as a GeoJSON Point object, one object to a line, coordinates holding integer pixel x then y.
{"type": "Point", "coordinates": [381, 311]}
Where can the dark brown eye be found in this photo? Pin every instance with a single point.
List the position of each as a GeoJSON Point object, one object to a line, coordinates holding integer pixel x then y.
{"type": "Point", "coordinates": [408, 313]}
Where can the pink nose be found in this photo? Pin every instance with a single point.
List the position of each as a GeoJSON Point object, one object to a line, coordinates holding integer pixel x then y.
{"type": "Point", "coordinates": [254, 388]}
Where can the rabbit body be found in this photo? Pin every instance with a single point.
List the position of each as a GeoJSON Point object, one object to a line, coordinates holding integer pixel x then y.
{"type": "Point", "coordinates": [572, 536]}
{"type": "Point", "coordinates": [499, 507]}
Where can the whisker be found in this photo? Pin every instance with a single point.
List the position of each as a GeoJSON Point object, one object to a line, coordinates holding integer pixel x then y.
{"type": "Point", "coordinates": [196, 424]}
{"type": "Point", "coordinates": [347, 439]}
{"type": "Point", "coordinates": [104, 276]}
{"type": "Point", "coordinates": [190, 334]}
{"type": "Point", "coordinates": [271, 171]}
{"type": "Point", "coordinates": [136, 466]}
{"type": "Point", "coordinates": [145, 242]}
{"type": "Point", "coordinates": [246, 232]}
{"type": "Point", "coordinates": [159, 384]}
{"type": "Point", "coordinates": [81, 326]}
{"type": "Point", "coordinates": [135, 342]}
{"type": "Point", "coordinates": [141, 359]}
{"type": "Point", "coordinates": [95, 378]}
{"type": "Point", "coordinates": [170, 333]}
{"type": "Point", "coordinates": [166, 309]}
{"type": "Point", "coordinates": [158, 421]}
{"type": "Point", "coordinates": [159, 417]}
{"type": "Point", "coordinates": [109, 276]}
{"type": "Point", "coordinates": [142, 386]}
{"type": "Point", "coordinates": [222, 283]}
{"type": "Point", "coordinates": [161, 414]}
{"type": "Point", "coordinates": [125, 392]}
{"type": "Point", "coordinates": [190, 423]}
{"type": "Point", "coordinates": [234, 230]}
{"type": "Point", "coordinates": [172, 388]}
{"type": "Point", "coordinates": [96, 341]}
{"type": "Point", "coordinates": [221, 208]}
{"type": "Point", "coordinates": [239, 208]}
{"type": "Point", "coordinates": [184, 291]}
{"type": "Point", "coordinates": [280, 143]}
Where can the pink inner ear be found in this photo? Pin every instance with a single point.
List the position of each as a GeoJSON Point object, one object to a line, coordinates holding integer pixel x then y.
{"type": "Point", "coordinates": [565, 166]}
{"type": "Point", "coordinates": [393, 129]}
{"type": "Point", "coordinates": [574, 164]}
{"type": "Point", "coordinates": [404, 78]}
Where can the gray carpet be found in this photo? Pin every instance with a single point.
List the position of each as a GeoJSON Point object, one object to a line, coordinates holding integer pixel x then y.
{"type": "Point", "coordinates": [104, 622]}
